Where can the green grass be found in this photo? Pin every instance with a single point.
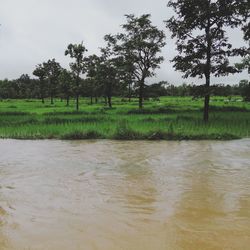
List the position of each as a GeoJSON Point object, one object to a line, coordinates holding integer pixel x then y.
{"type": "Point", "coordinates": [173, 118]}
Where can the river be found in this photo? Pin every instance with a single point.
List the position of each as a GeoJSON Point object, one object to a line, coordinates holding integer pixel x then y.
{"type": "Point", "coordinates": [112, 195]}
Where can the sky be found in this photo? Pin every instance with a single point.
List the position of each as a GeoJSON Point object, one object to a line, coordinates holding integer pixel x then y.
{"type": "Point", "coordinates": [33, 31]}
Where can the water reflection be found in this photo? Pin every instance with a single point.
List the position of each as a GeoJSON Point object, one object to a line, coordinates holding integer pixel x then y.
{"type": "Point", "coordinates": [124, 195]}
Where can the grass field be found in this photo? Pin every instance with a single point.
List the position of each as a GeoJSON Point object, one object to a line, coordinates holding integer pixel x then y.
{"type": "Point", "coordinates": [171, 118]}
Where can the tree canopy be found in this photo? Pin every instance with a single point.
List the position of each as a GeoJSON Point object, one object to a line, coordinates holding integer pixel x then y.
{"type": "Point", "coordinates": [199, 27]}
{"type": "Point", "coordinates": [139, 46]}
{"type": "Point", "coordinates": [78, 67]}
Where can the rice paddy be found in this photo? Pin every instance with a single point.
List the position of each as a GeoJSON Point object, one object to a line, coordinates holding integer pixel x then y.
{"type": "Point", "coordinates": [171, 118]}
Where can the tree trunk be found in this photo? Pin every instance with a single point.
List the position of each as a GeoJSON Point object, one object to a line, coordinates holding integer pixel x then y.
{"type": "Point", "coordinates": [206, 101]}
{"type": "Point", "coordinates": [51, 91]}
{"type": "Point", "coordinates": [109, 102]}
{"type": "Point", "coordinates": [42, 97]}
{"type": "Point", "coordinates": [67, 99]}
{"type": "Point", "coordinates": [105, 100]}
{"type": "Point", "coordinates": [42, 90]}
{"type": "Point", "coordinates": [77, 92]}
{"type": "Point", "coordinates": [96, 100]}
{"type": "Point", "coordinates": [206, 108]}
{"type": "Point", "coordinates": [141, 88]}
{"type": "Point", "coordinates": [77, 102]}
{"type": "Point", "coordinates": [208, 69]}
{"type": "Point", "coordinates": [51, 99]}
{"type": "Point", "coordinates": [91, 100]}
{"type": "Point", "coordinates": [129, 92]}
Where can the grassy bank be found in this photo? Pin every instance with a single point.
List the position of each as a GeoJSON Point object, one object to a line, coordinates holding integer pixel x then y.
{"type": "Point", "coordinates": [173, 118]}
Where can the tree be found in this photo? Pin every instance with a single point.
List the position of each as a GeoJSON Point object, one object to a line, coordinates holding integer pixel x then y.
{"type": "Point", "coordinates": [66, 80]}
{"type": "Point", "coordinates": [199, 27]}
{"type": "Point", "coordinates": [244, 64]}
{"type": "Point", "coordinates": [243, 8]}
{"type": "Point", "coordinates": [93, 83]}
{"type": "Point", "coordinates": [156, 90]}
{"type": "Point", "coordinates": [244, 86]}
{"type": "Point", "coordinates": [77, 51]}
{"type": "Point", "coordinates": [139, 46]}
{"type": "Point", "coordinates": [40, 72]}
{"type": "Point", "coordinates": [108, 70]}
{"type": "Point", "coordinates": [23, 84]}
{"type": "Point", "coordinates": [103, 72]}
{"type": "Point", "coordinates": [127, 78]}
{"type": "Point", "coordinates": [52, 70]}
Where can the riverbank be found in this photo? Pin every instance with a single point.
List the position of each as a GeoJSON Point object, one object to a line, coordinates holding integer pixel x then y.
{"type": "Point", "coordinates": [171, 118]}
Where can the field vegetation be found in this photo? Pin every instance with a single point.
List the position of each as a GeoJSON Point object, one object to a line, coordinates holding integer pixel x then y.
{"type": "Point", "coordinates": [169, 118]}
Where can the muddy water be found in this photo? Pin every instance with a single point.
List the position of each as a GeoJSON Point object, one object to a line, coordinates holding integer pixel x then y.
{"type": "Point", "coordinates": [124, 195]}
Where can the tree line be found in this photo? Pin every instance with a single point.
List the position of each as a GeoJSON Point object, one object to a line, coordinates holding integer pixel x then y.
{"type": "Point", "coordinates": [29, 88]}
{"type": "Point", "coordinates": [123, 65]}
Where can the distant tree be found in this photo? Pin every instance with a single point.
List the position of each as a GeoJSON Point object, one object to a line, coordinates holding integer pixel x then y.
{"type": "Point", "coordinates": [93, 83]}
{"type": "Point", "coordinates": [245, 90]}
{"type": "Point", "coordinates": [127, 76]}
{"type": "Point", "coordinates": [40, 72]}
{"type": "Point", "coordinates": [200, 29]}
{"type": "Point", "coordinates": [23, 84]}
{"type": "Point", "coordinates": [5, 89]}
{"type": "Point", "coordinates": [77, 51]}
{"type": "Point", "coordinates": [103, 72]}
{"type": "Point", "coordinates": [53, 70]}
{"type": "Point", "coordinates": [244, 64]}
{"type": "Point", "coordinates": [139, 45]}
{"type": "Point", "coordinates": [109, 71]}
{"type": "Point", "coordinates": [66, 81]}
{"type": "Point", "coordinates": [156, 90]}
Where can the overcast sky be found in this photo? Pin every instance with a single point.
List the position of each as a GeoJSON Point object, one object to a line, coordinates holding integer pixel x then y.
{"type": "Point", "coordinates": [33, 31]}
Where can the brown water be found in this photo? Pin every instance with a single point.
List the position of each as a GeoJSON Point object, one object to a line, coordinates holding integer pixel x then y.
{"type": "Point", "coordinates": [113, 195]}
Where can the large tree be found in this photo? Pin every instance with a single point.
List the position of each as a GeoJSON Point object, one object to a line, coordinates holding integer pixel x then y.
{"type": "Point", "coordinates": [243, 9]}
{"type": "Point", "coordinates": [128, 78]}
{"type": "Point", "coordinates": [103, 72]}
{"type": "Point", "coordinates": [139, 45]}
{"type": "Point", "coordinates": [66, 81]}
{"type": "Point", "coordinates": [78, 67]}
{"type": "Point", "coordinates": [93, 82]}
{"type": "Point", "coordinates": [53, 70]}
{"type": "Point", "coordinates": [40, 72]}
{"type": "Point", "coordinates": [199, 27]}
{"type": "Point", "coordinates": [110, 71]}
